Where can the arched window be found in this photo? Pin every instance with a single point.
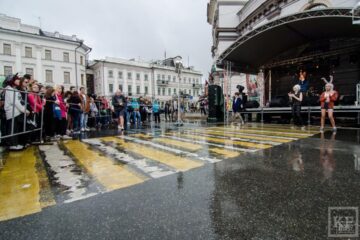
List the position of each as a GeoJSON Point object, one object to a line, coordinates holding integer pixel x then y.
{"type": "Point", "coordinates": [317, 6]}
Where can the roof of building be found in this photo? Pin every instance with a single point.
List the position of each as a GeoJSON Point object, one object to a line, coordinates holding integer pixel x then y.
{"type": "Point", "coordinates": [14, 25]}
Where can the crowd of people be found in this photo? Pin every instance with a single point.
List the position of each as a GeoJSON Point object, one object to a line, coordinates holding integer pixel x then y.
{"type": "Point", "coordinates": [31, 112]}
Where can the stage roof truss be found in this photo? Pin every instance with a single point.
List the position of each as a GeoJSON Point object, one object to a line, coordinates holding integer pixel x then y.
{"type": "Point", "coordinates": [329, 12]}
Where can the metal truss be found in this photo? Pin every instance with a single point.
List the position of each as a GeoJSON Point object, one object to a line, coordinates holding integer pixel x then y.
{"type": "Point", "coordinates": [328, 12]}
{"type": "Point", "coordinates": [310, 57]}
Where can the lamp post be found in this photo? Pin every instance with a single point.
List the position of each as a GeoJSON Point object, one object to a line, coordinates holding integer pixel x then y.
{"type": "Point", "coordinates": [178, 69]}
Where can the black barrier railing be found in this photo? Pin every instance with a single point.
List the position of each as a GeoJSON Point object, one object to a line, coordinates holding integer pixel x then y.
{"type": "Point", "coordinates": [305, 109]}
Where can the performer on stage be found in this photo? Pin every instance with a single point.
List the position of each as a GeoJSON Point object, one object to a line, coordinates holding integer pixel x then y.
{"type": "Point", "coordinates": [296, 98]}
{"type": "Point", "coordinates": [303, 82]}
{"type": "Point", "coordinates": [327, 100]}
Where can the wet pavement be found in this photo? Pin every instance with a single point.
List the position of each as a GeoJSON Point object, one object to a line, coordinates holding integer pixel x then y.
{"type": "Point", "coordinates": [198, 182]}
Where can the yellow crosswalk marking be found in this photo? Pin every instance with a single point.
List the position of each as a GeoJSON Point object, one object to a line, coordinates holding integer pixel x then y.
{"type": "Point", "coordinates": [223, 141]}
{"type": "Point", "coordinates": [177, 162]}
{"type": "Point", "coordinates": [239, 135]}
{"type": "Point", "coordinates": [176, 143]}
{"type": "Point", "coordinates": [226, 153]}
{"type": "Point", "coordinates": [266, 132]}
{"type": "Point", "coordinates": [194, 147]}
{"type": "Point", "coordinates": [19, 185]}
{"type": "Point", "coordinates": [110, 175]}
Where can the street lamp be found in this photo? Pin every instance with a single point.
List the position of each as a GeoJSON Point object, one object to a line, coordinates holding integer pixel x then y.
{"type": "Point", "coordinates": [178, 69]}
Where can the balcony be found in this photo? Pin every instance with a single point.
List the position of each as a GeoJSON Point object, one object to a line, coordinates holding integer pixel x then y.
{"type": "Point", "coordinates": [196, 85]}
{"type": "Point", "coordinates": [162, 82]}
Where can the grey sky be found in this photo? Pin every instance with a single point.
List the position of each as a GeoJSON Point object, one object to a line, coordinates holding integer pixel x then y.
{"type": "Point", "coordinates": [126, 28]}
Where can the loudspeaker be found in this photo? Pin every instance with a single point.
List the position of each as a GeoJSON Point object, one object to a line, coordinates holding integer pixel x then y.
{"type": "Point", "coordinates": [216, 104]}
{"type": "Point", "coordinates": [252, 104]}
{"type": "Point", "coordinates": [347, 100]}
{"type": "Point", "coordinates": [279, 101]}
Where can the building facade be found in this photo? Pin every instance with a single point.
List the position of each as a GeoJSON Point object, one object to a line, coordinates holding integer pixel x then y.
{"type": "Point", "coordinates": [50, 57]}
{"type": "Point", "coordinates": [156, 80]}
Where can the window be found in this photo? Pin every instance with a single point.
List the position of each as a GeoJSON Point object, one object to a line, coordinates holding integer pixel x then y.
{"type": "Point", "coordinates": [47, 54]}
{"type": "Point", "coordinates": [111, 88]}
{"type": "Point", "coordinates": [146, 77]}
{"type": "Point", "coordinates": [82, 80]}
{"type": "Point", "coordinates": [138, 76]}
{"type": "Point", "coordinates": [174, 90]}
{"type": "Point", "coordinates": [184, 91]}
{"type": "Point", "coordinates": [48, 75]}
{"type": "Point", "coordinates": [169, 91]}
{"type": "Point", "coordinates": [163, 77]}
{"type": "Point", "coordinates": [163, 91]}
{"type": "Point", "coordinates": [146, 90]}
{"type": "Point", "coordinates": [129, 75]}
{"type": "Point", "coordinates": [66, 77]}
{"type": "Point", "coordinates": [7, 49]}
{"type": "Point", "coordinates": [120, 87]}
{"type": "Point", "coordinates": [184, 79]}
{"type": "Point", "coordinates": [189, 80]}
{"type": "Point", "coordinates": [137, 89]}
{"type": "Point", "coordinates": [159, 91]}
{"type": "Point", "coordinates": [81, 60]}
{"type": "Point", "coordinates": [120, 75]}
{"type": "Point", "coordinates": [193, 80]}
{"type": "Point", "coordinates": [7, 70]}
{"type": "Point", "coordinates": [174, 79]}
{"type": "Point", "coordinates": [158, 77]}
{"type": "Point", "coordinates": [66, 57]}
{"type": "Point", "coordinates": [29, 71]}
{"type": "Point", "coordinates": [169, 78]}
{"type": "Point", "coordinates": [110, 73]}
{"type": "Point", "coordinates": [28, 52]}
{"type": "Point", "coordinates": [129, 90]}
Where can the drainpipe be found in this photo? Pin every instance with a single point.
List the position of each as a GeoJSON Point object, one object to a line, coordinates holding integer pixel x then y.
{"type": "Point", "coordinates": [76, 72]}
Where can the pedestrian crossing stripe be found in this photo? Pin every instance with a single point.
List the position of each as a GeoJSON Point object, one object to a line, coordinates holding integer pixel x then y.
{"type": "Point", "coordinates": [151, 168]}
{"type": "Point", "coordinates": [230, 137]}
{"type": "Point", "coordinates": [20, 179]}
{"type": "Point", "coordinates": [192, 146]}
{"type": "Point", "coordinates": [112, 176]}
{"type": "Point", "coordinates": [203, 142]}
{"type": "Point", "coordinates": [177, 162]}
{"type": "Point", "coordinates": [310, 130]}
{"type": "Point", "coordinates": [250, 136]}
{"type": "Point", "coordinates": [225, 141]}
{"type": "Point", "coordinates": [268, 133]}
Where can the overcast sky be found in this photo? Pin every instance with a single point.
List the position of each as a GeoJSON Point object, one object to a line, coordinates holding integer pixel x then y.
{"type": "Point", "coordinates": [126, 28]}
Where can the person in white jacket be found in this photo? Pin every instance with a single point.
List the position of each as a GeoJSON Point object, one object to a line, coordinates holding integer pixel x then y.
{"type": "Point", "coordinates": [14, 111]}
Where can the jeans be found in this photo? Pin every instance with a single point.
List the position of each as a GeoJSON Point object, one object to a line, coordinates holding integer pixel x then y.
{"type": "Point", "coordinates": [76, 120]}
{"type": "Point", "coordinates": [137, 117]}
{"type": "Point", "coordinates": [84, 120]}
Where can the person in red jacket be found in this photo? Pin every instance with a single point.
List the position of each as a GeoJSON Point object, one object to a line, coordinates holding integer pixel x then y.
{"type": "Point", "coordinates": [327, 100]}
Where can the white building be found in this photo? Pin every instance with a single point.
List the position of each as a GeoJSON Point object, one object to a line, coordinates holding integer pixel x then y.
{"type": "Point", "coordinates": [138, 78]}
{"type": "Point", "coordinates": [52, 58]}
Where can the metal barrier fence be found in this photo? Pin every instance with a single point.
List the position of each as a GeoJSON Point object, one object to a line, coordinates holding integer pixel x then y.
{"type": "Point", "coordinates": [15, 96]}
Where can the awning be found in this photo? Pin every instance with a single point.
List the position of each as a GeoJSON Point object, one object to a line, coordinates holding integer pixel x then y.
{"type": "Point", "coordinates": [261, 45]}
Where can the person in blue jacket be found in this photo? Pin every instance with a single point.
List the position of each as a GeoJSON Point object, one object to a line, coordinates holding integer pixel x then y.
{"type": "Point", "coordinates": [156, 111]}
{"type": "Point", "coordinates": [136, 114]}
{"type": "Point", "coordinates": [237, 106]}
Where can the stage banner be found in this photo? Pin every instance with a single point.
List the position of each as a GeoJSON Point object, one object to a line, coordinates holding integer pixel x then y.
{"type": "Point", "coordinates": [261, 88]}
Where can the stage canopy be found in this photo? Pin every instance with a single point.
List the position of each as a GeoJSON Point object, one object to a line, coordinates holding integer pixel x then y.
{"type": "Point", "coordinates": [257, 48]}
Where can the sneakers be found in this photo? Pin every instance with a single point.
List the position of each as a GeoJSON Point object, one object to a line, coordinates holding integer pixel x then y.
{"type": "Point", "coordinates": [66, 137]}
{"type": "Point", "coordinates": [87, 129]}
{"type": "Point", "coordinates": [83, 129]}
{"type": "Point", "coordinates": [321, 130]}
{"type": "Point", "coordinates": [16, 148]}
{"type": "Point", "coordinates": [303, 128]}
{"type": "Point", "coordinates": [334, 129]}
